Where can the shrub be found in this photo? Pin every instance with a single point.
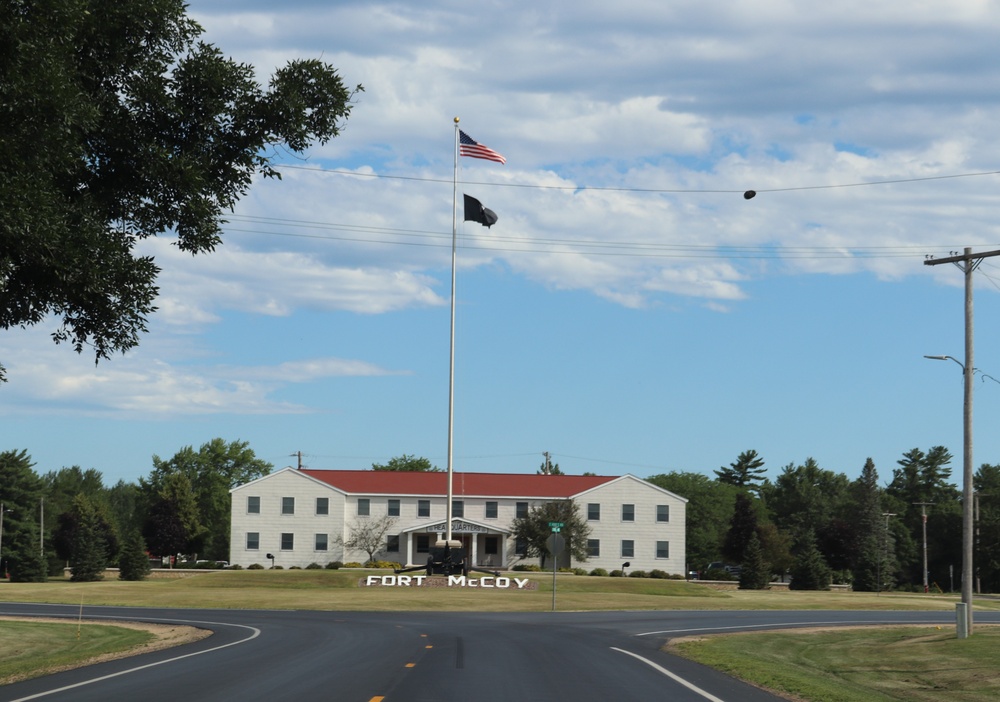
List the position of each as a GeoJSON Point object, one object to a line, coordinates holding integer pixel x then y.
{"type": "Point", "coordinates": [599, 571]}
{"type": "Point", "coordinates": [235, 566]}
{"type": "Point", "coordinates": [527, 567]}
{"type": "Point", "coordinates": [392, 565]}
{"type": "Point", "coordinates": [255, 566]}
{"type": "Point", "coordinates": [293, 567]}
{"type": "Point", "coordinates": [638, 574]}
{"type": "Point", "coordinates": [352, 564]}
{"type": "Point", "coordinates": [334, 565]}
{"type": "Point", "coordinates": [314, 566]}
{"type": "Point", "coordinates": [616, 574]}
{"type": "Point", "coordinates": [277, 567]}
{"type": "Point", "coordinates": [659, 574]}
{"type": "Point", "coordinates": [579, 571]}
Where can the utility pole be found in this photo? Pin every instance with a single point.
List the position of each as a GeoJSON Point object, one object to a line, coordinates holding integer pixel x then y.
{"type": "Point", "coordinates": [299, 455]}
{"type": "Point", "coordinates": [967, 262]}
{"type": "Point", "coordinates": [923, 516]}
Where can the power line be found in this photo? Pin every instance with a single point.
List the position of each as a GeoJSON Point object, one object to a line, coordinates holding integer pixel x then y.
{"type": "Point", "coordinates": [893, 181]}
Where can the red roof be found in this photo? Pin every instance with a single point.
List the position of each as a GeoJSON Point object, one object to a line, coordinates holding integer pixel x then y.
{"type": "Point", "coordinates": [371, 482]}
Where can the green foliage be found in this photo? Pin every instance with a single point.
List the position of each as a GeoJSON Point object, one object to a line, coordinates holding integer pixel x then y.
{"type": "Point", "coordinates": [255, 566]}
{"type": "Point", "coordinates": [213, 470]}
{"type": "Point", "coordinates": [20, 493]}
{"type": "Point", "coordinates": [742, 528]}
{"type": "Point", "coordinates": [407, 463]}
{"type": "Point", "coordinates": [24, 562]}
{"type": "Point", "coordinates": [599, 572]}
{"type": "Point", "coordinates": [119, 125]}
{"type": "Point", "coordinates": [658, 574]}
{"type": "Point", "coordinates": [314, 566]}
{"type": "Point", "coordinates": [172, 526]}
{"type": "Point", "coordinates": [747, 472]}
{"type": "Point", "coordinates": [133, 563]}
{"type": "Point", "coordinates": [810, 571]}
{"type": "Point", "coordinates": [871, 568]}
{"type": "Point", "coordinates": [709, 511]}
{"type": "Point", "coordinates": [534, 529]}
{"type": "Point", "coordinates": [90, 548]}
{"type": "Point", "coordinates": [638, 574]}
{"type": "Point", "coordinates": [527, 567]}
{"type": "Point", "coordinates": [334, 565]}
{"type": "Point", "coordinates": [755, 573]}
{"type": "Point", "coordinates": [617, 573]}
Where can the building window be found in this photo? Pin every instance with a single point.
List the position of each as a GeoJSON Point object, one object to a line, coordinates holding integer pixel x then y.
{"type": "Point", "coordinates": [288, 505]}
{"type": "Point", "coordinates": [392, 543]}
{"type": "Point", "coordinates": [594, 512]}
{"type": "Point", "coordinates": [521, 547]}
{"type": "Point", "coordinates": [458, 508]}
{"type": "Point", "coordinates": [628, 513]}
{"type": "Point", "coordinates": [491, 510]}
{"type": "Point", "coordinates": [521, 510]}
{"type": "Point", "coordinates": [253, 540]}
{"type": "Point", "coordinates": [322, 505]}
{"type": "Point", "coordinates": [628, 548]}
{"type": "Point", "coordinates": [287, 542]}
{"type": "Point", "coordinates": [663, 549]}
{"type": "Point", "coordinates": [423, 508]}
{"type": "Point", "coordinates": [393, 509]}
{"type": "Point", "coordinates": [364, 507]}
{"type": "Point", "coordinates": [663, 513]}
{"type": "Point", "coordinates": [491, 545]}
{"type": "Point", "coordinates": [423, 543]}
{"type": "Point", "coordinates": [593, 548]}
{"type": "Point", "coordinates": [253, 504]}
{"type": "Point", "coordinates": [321, 542]}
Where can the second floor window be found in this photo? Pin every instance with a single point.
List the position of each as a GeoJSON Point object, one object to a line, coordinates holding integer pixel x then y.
{"type": "Point", "coordinates": [628, 513]}
{"type": "Point", "coordinates": [393, 508]}
{"type": "Point", "coordinates": [423, 508]}
{"type": "Point", "coordinates": [663, 513]}
{"type": "Point", "coordinates": [491, 510]}
{"type": "Point", "coordinates": [457, 508]}
{"type": "Point", "coordinates": [322, 505]}
{"type": "Point", "coordinates": [253, 504]}
{"type": "Point", "coordinates": [594, 512]}
{"type": "Point", "coordinates": [288, 505]}
{"type": "Point", "coordinates": [364, 507]}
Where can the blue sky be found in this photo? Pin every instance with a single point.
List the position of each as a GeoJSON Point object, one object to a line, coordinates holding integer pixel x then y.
{"type": "Point", "coordinates": [630, 312]}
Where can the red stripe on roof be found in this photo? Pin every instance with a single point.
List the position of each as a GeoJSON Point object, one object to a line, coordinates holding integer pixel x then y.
{"type": "Point", "coordinates": [372, 482]}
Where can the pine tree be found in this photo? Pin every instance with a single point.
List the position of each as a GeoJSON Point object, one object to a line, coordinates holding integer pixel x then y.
{"type": "Point", "coordinates": [24, 560]}
{"type": "Point", "coordinates": [810, 571]}
{"type": "Point", "coordinates": [133, 562]}
{"type": "Point", "coordinates": [747, 472]}
{"type": "Point", "coordinates": [89, 556]}
{"type": "Point", "coordinates": [870, 568]}
{"type": "Point", "coordinates": [742, 527]}
{"type": "Point", "coordinates": [755, 574]}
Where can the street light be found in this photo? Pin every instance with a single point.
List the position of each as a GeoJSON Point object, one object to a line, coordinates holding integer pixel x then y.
{"type": "Point", "coordinates": [967, 543]}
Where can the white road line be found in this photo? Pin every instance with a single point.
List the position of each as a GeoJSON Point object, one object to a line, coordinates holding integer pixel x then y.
{"type": "Point", "coordinates": [255, 633]}
{"type": "Point", "coordinates": [672, 676]}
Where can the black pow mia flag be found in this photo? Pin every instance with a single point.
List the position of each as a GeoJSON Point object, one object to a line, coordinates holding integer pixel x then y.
{"type": "Point", "coordinates": [475, 212]}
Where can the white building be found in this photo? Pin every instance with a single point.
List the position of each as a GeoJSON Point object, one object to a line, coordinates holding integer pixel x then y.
{"type": "Point", "coordinates": [298, 515]}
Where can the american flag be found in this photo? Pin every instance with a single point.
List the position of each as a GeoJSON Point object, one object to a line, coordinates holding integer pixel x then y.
{"type": "Point", "coordinates": [467, 146]}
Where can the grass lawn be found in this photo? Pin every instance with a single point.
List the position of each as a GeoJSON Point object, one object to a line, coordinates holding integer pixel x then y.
{"type": "Point", "coordinates": [860, 665]}
{"type": "Point", "coordinates": [823, 666]}
{"type": "Point", "coordinates": [34, 648]}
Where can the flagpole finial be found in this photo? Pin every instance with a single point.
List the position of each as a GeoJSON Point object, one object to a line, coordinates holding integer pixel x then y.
{"type": "Point", "coordinates": [456, 120]}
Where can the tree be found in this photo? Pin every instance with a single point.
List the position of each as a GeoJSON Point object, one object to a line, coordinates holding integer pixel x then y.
{"type": "Point", "coordinates": [89, 554]}
{"type": "Point", "coordinates": [534, 529]}
{"type": "Point", "coordinates": [806, 497]}
{"type": "Point", "coordinates": [120, 125]}
{"type": "Point", "coordinates": [747, 472]}
{"type": "Point", "coordinates": [213, 470]}
{"type": "Point", "coordinates": [755, 573]}
{"type": "Point", "coordinates": [85, 514]}
{"type": "Point", "coordinates": [870, 569]}
{"type": "Point", "coordinates": [368, 535]}
{"type": "Point", "coordinates": [133, 563]}
{"type": "Point", "coordinates": [407, 463]}
{"type": "Point", "coordinates": [742, 529]}
{"type": "Point", "coordinates": [709, 512]}
{"type": "Point", "coordinates": [22, 491]}
{"type": "Point", "coordinates": [172, 526]}
{"type": "Point", "coordinates": [810, 571]}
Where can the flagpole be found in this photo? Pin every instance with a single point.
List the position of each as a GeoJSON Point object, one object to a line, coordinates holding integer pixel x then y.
{"type": "Point", "coordinates": [451, 355]}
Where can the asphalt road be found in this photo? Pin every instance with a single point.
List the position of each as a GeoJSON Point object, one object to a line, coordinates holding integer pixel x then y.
{"type": "Point", "coordinates": [423, 656]}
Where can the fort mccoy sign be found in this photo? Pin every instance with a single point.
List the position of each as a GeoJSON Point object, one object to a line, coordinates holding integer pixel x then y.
{"type": "Point", "coordinates": [487, 582]}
